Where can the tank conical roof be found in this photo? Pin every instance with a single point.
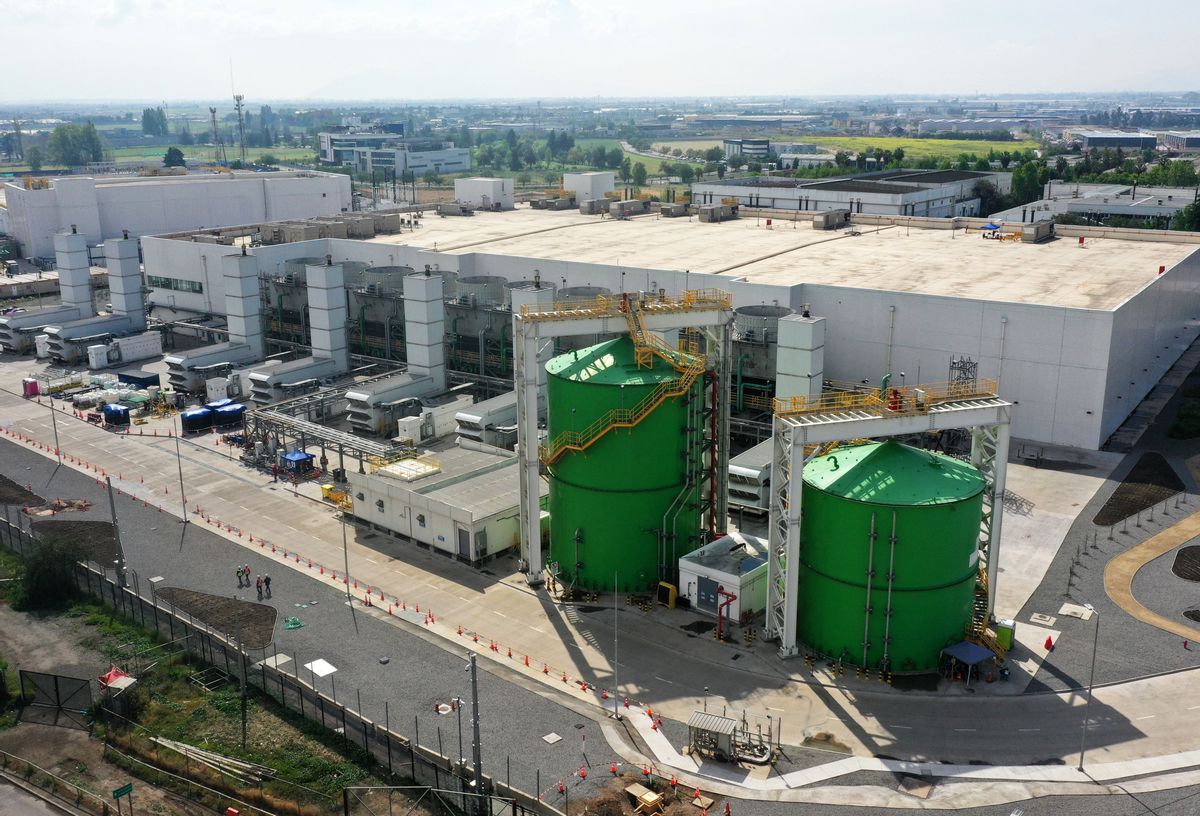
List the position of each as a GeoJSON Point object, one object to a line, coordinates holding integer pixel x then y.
{"type": "Point", "coordinates": [613, 362]}
{"type": "Point", "coordinates": [893, 473]}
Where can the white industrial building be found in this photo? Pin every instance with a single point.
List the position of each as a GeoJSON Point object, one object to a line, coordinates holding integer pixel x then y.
{"type": "Point", "coordinates": [102, 207]}
{"type": "Point", "coordinates": [1077, 335]}
{"type": "Point", "coordinates": [922, 193]}
{"type": "Point", "coordinates": [797, 161]}
{"type": "Point", "coordinates": [730, 572]}
{"type": "Point", "coordinates": [485, 193]}
{"type": "Point", "coordinates": [589, 186]}
{"type": "Point", "coordinates": [368, 151]}
{"type": "Point", "coordinates": [1095, 202]}
{"type": "Point", "coordinates": [459, 500]}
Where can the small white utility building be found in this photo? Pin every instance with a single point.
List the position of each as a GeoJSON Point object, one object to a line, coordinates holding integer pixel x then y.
{"type": "Point", "coordinates": [735, 563]}
{"type": "Point", "coordinates": [485, 193]}
{"type": "Point", "coordinates": [589, 186]}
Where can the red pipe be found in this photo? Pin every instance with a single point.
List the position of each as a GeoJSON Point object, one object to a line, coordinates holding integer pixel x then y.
{"type": "Point", "coordinates": [722, 607]}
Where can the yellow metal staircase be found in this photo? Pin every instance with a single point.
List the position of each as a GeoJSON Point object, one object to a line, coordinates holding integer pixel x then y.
{"type": "Point", "coordinates": [977, 629]}
{"type": "Point", "coordinates": [647, 346]}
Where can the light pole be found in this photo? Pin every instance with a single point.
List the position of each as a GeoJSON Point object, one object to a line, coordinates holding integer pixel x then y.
{"type": "Point", "coordinates": [179, 464]}
{"type": "Point", "coordinates": [616, 624]}
{"type": "Point", "coordinates": [1091, 680]}
{"type": "Point", "coordinates": [476, 747]}
{"type": "Point", "coordinates": [458, 703]}
{"type": "Point", "coordinates": [54, 424]}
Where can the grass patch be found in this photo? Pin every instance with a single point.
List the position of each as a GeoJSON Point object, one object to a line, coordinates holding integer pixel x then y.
{"type": "Point", "coordinates": [311, 762]}
{"type": "Point", "coordinates": [913, 148]}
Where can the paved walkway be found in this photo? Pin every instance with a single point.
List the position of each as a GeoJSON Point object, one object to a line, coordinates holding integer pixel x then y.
{"type": "Point", "coordinates": [1120, 571]}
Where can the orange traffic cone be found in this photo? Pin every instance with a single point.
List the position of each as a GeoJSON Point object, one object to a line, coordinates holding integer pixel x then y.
{"type": "Point", "coordinates": [1049, 644]}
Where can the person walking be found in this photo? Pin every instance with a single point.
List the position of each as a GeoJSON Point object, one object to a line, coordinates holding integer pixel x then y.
{"type": "Point", "coordinates": [239, 575]}
{"type": "Point", "coordinates": [275, 473]}
{"type": "Point", "coordinates": [267, 584]}
{"type": "Point", "coordinates": [259, 585]}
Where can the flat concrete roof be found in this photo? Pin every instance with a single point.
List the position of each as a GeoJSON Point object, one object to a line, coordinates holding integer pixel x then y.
{"type": "Point", "coordinates": [927, 261]}
{"type": "Point", "coordinates": [478, 481]}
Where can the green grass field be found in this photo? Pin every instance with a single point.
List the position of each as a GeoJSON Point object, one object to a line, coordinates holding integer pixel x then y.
{"type": "Point", "coordinates": [913, 148]}
{"type": "Point", "coordinates": [207, 152]}
{"type": "Point", "coordinates": [651, 162]}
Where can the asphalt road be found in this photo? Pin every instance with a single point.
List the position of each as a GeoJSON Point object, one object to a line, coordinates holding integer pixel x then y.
{"type": "Point", "coordinates": [514, 718]}
{"type": "Point", "coordinates": [16, 802]}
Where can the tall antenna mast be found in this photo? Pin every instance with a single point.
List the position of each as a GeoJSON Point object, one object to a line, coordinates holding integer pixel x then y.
{"type": "Point", "coordinates": [237, 101]}
{"type": "Point", "coordinates": [219, 152]}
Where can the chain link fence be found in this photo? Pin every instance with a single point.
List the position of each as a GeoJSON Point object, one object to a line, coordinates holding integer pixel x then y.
{"type": "Point", "coordinates": [405, 760]}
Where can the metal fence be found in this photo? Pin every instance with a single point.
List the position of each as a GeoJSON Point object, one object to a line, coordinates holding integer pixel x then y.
{"type": "Point", "coordinates": [404, 758]}
{"type": "Point", "coordinates": [56, 786]}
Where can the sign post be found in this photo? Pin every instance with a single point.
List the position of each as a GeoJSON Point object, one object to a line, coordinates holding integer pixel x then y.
{"type": "Point", "coordinates": [124, 790]}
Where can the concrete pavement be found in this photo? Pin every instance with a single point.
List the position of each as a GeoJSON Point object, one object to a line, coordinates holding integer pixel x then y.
{"type": "Point", "coordinates": [846, 712]}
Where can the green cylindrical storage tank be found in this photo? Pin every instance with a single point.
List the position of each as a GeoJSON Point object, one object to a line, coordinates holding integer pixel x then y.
{"type": "Point", "coordinates": [876, 510]}
{"type": "Point", "coordinates": [628, 506]}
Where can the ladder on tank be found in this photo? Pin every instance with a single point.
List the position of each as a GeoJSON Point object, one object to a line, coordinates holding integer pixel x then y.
{"type": "Point", "coordinates": [647, 346]}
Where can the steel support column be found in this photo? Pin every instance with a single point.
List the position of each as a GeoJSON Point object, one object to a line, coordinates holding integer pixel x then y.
{"type": "Point", "coordinates": [989, 454]}
{"type": "Point", "coordinates": [787, 480]}
{"type": "Point", "coordinates": [525, 375]}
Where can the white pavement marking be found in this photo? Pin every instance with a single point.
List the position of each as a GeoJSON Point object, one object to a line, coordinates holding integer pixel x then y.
{"type": "Point", "coordinates": [498, 612]}
{"type": "Point", "coordinates": [275, 661]}
{"type": "Point", "coordinates": [551, 738]}
{"type": "Point", "coordinates": [1148, 717]}
{"type": "Point", "coordinates": [965, 730]}
{"type": "Point", "coordinates": [1193, 708]}
{"type": "Point", "coordinates": [902, 727]}
{"type": "Point", "coordinates": [320, 667]}
{"type": "Point", "coordinates": [1028, 730]}
{"type": "Point", "coordinates": [663, 680]}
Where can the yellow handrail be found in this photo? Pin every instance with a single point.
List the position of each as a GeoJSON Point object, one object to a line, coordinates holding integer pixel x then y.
{"type": "Point", "coordinates": [898, 401]}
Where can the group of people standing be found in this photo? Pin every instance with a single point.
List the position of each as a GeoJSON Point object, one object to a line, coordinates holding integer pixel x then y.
{"type": "Point", "coordinates": [262, 583]}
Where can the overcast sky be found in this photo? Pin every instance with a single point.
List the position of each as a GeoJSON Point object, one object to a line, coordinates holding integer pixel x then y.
{"type": "Point", "coordinates": [438, 49]}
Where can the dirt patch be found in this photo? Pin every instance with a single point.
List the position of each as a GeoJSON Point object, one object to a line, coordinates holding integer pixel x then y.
{"type": "Point", "coordinates": [224, 614]}
{"type": "Point", "coordinates": [1151, 481]}
{"type": "Point", "coordinates": [79, 759]}
{"type": "Point", "coordinates": [13, 493]}
{"type": "Point", "coordinates": [1187, 563]}
{"type": "Point", "coordinates": [95, 538]}
{"type": "Point", "coordinates": [46, 645]}
{"type": "Point", "coordinates": [826, 741]}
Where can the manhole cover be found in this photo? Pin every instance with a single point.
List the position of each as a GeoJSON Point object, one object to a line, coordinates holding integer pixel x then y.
{"type": "Point", "coordinates": [1187, 563]}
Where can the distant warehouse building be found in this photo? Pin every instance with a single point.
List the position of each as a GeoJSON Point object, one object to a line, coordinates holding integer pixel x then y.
{"type": "Point", "coordinates": [101, 207]}
{"type": "Point", "coordinates": [1100, 139]}
{"type": "Point", "coordinates": [1185, 141]}
{"type": "Point", "coordinates": [932, 194]}
{"type": "Point", "coordinates": [747, 148]}
{"type": "Point", "coordinates": [368, 151]}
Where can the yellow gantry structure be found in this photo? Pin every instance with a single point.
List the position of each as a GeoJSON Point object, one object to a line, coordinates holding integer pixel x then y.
{"type": "Point", "coordinates": [647, 346]}
{"type": "Point", "coordinates": [891, 401]}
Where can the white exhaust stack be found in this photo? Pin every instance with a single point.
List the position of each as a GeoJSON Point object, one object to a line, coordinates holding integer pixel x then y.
{"type": "Point", "coordinates": [74, 272]}
{"type": "Point", "coordinates": [327, 313]}
{"type": "Point", "coordinates": [425, 326]}
{"type": "Point", "coordinates": [125, 280]}
{"type": "Point", "coordinates": [243, 302]}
